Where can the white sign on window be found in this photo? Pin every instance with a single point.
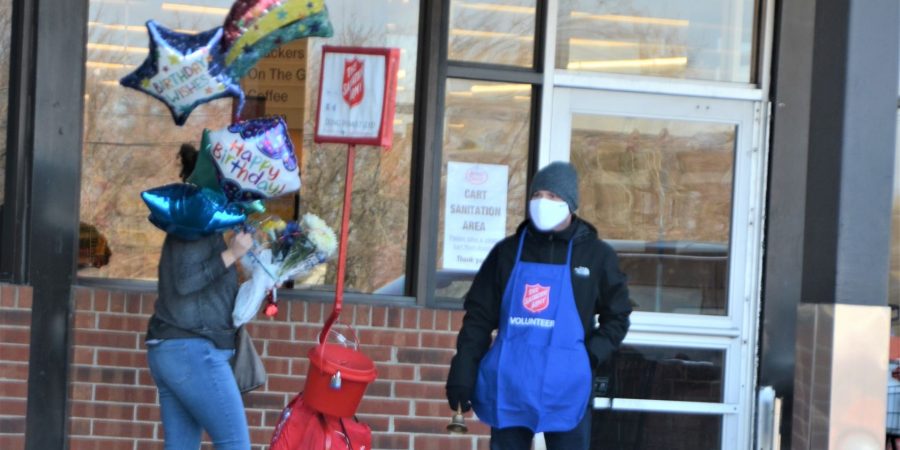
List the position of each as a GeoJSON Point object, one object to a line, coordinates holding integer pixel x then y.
{"type": "Point", "coordinates": [474, 213]}
{"type": "Point", "coordinates": [357, 95]}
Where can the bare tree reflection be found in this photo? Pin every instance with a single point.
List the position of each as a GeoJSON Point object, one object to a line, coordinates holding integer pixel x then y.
{"type": "Point", "coordinates": [503, 36]}
{"type": "Point", "coordinates": [490, 126]}
{"type": "Point", "coordinates": [130, 144]}
{"type": "Point", "coordinates": [583, 37]}
{"type": "Point", "coordinates": [381, 183]}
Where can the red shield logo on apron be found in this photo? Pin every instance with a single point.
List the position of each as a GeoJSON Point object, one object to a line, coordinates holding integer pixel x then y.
{"type": "Point", "coordinates": [536, 298]}
{"type": "Point", "coordinates": [353, 88]}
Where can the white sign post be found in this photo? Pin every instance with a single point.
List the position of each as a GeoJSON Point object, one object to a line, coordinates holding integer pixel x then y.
{"type": "Point", "coordinates": [474, 213]}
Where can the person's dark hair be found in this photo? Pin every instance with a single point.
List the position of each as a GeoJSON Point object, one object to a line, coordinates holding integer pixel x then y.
{"type": "Point", "coordinates": [188, 154]}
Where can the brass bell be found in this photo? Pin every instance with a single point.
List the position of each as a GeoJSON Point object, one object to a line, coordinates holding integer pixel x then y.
{"type": "Point", "coordinates": [457, 423]}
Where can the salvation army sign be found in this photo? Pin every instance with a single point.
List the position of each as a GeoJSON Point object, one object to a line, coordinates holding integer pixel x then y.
{"type": "Point", "coordinates": [536, 297]}
{"type": "Point", "coordinates": [353, 88]}
{"type": "Point", "coordinates": [357, 95]}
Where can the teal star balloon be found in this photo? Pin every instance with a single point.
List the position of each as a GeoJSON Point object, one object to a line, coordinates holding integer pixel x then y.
{"type": "Point", "coordinates": [190, 212]}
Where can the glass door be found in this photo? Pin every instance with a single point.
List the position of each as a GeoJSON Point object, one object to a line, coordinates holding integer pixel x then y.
{"type": "Point", "coordinates": [675, 185]}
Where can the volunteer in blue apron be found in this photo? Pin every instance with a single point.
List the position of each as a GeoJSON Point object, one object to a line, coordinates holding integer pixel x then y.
{"type": "Point", "coordinates": [541, 289]}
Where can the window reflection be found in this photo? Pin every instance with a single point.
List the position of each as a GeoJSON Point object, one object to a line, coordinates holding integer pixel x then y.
{"type": "Point", "coordinates": [630, 430]}
{"type": "Point", "coordinates": [894, 286]}
{"type": "Point", "coordinates": [492, 31]}
{"type": "Point", "coordinates": [704, 40]}
{"type": "Point", "coordinates": [660, 192]}
{"type": "Point", "coordinates": [668, 373]}
{"type": "Point", "coordinates": [661, 373]}
{"type": "Point", "coordinates": [131, 143]}
{"type": "Point", "coordinates": [379, 215]}
{"type": "Point", "coordinates": [484, 123]}
{"type": "Point", "coordinates": [5, 45]}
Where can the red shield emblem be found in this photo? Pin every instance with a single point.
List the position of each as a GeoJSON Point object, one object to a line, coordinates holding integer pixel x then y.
{"type": "Point", "coordinates": [536, 298]}
{"type": "Point", "coordinates": [353, 88]}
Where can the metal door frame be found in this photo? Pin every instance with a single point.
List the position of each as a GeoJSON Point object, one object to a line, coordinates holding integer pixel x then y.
{"type": "Point", "coordinates": [735, 333]}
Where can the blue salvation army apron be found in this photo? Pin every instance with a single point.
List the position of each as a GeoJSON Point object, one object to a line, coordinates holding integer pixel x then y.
{"type": "Point", "coordinates": [537, 373]}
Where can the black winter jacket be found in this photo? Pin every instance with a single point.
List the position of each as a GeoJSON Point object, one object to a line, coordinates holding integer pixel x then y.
{"type": "Point", "coordinates": [196, 292]}
{"type": "Point", "coordinates": [602, 291]}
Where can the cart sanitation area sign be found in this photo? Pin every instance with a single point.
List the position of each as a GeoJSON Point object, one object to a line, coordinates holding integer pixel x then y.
{"type": "Point", "coordinates": [474, 213]}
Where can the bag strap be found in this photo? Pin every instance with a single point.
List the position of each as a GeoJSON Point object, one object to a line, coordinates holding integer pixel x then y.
{"type": "Point", "coordinates": [346, 434]}
{"type": "Point", "coordinates": [326, 430]}
{"type": "Point", "coordinates": [329, 431]}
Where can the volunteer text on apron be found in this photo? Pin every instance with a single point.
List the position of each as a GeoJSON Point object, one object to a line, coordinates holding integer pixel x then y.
{"type": "Point", "coordinates": [537, 373]}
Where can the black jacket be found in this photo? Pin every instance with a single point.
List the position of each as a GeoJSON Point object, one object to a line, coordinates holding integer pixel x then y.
{"type": "Point", "coordinates": [602, 291]}
{"type": "Point", "coordinates": [196, 292]}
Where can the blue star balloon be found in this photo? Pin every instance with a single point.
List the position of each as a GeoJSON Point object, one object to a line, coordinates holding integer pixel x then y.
{"type": "Point", "coordinates": [189, 211]}
{"type": "Point", "coordinates": [184, 71]}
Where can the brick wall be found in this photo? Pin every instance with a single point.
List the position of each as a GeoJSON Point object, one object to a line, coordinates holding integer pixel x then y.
{"type": "Point", "coordinates": [114, 401]}
{"type": "Point", "coordinates": [15, 323]}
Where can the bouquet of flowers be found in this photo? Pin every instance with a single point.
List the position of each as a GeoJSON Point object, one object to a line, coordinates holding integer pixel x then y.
{"type": "Point", "coordinates": [283, 250]}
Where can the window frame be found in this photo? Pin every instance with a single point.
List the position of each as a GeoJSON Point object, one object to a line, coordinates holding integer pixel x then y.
{"type": "Point", "coordinates": [19, 132]}
{"type": "Point", "coordinates": [477, 71]}
{"type": "Point", "coordinates": [433, 68]}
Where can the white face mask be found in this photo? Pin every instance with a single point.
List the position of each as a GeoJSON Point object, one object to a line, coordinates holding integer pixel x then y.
{"type": "Point", "coordinates": [546, 214]}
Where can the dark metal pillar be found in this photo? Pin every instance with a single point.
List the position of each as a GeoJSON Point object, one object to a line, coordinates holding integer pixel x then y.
{"type": "Point", "coordinates": [427, 141]}
{"type": "Point", "coordinates": [829, 203]}
{"type": "Point", "coordinates": [850, 177]}
{"type": "Point", "coordinates": [791, 79]}
{"type": "Point", "coordinates": [48, 81]}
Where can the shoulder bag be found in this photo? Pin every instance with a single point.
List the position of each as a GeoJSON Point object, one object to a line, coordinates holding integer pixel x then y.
{"type": "Point", "coordinates": [249, 371]}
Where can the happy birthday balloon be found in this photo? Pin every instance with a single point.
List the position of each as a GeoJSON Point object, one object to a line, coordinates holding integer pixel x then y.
{"type": "Point", "coordinates": [189, 211]}
{"type": "Point", "coordinates": [254, 159]}
{"type": "Point", "coordinates": [255, 31]}
{"type": "Point", "coordinates": [183, 71]}
{"type": "Point", "coordinates": [206, 175]}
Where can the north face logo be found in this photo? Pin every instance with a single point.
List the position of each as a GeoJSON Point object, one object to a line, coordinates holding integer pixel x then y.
{"type": "Point", "coordinates": [536, 298]}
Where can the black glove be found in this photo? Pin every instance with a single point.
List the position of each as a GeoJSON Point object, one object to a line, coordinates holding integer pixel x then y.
{"type": "Point", "coordinates": [459, 395]}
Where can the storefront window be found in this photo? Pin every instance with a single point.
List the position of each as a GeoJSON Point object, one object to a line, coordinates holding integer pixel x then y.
{"type": "Point", "coordinates": [702, 40]}
{"type": "Point", "coordinates": [660, 192]}
{"type": "Point", "coordinates": [894, 277]}
{"type": "Point", "coordinates": [5, 45]}
{"type": "Point", "coordinates": [132, 143]}
{"type": "Point", "coordinates": [483, 176]}
{"type": "Point", "coordinates": [633, 430]}
{"type": "Point", "coordinates": [669, 373]}
{"type": "Point", "coordinates": [492, 31]}
{"type": "Point", "coordinates": [661, 373]}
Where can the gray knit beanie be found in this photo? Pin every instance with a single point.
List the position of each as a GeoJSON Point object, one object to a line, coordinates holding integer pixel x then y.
{"type": "Point", "coordinates": [559, 178]}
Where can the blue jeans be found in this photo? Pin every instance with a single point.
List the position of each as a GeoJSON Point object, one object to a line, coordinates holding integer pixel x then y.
{"type": "Point", "coordinates": [197, 392]}
{"type": "Point", "coordinates": [519, 438]}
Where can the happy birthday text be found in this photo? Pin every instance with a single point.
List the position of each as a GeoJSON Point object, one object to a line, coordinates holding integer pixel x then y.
{"type": "Point", "coordinates": [247, 166]}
